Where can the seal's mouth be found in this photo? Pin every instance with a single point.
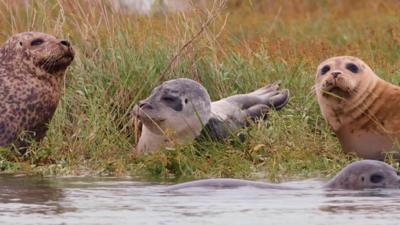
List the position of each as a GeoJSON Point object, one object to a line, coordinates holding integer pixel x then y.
{"type": "Point", "coordinates": [55, 64]}
{"type": "Point", "coordinates": [145, 116]}
{"type": "Point", "coordinates": [335, 91]}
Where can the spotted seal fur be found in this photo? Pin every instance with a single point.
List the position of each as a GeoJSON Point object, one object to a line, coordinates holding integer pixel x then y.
{"type": "Point", "coordinates": [32, 66]}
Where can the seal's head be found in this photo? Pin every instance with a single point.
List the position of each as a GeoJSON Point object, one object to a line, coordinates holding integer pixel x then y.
{"type": "Point", "coordinates": [37, 51]}
{"type": "Point", "coordinates": [366, 174]}
{"type": "Point", "coordinates": [182, 106]}
{"type": "Point", "coordinates": [342, 77]}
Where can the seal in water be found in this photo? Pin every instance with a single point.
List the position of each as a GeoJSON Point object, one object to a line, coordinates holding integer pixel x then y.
{"type": "Point", "coordinates": [32, 67]}
{"type": "Point", "coordinates": [364, 174]}
{"type": "Point", "coordinates": [179, 109]}
{"type": "Point", "coordinates": [362, 109]}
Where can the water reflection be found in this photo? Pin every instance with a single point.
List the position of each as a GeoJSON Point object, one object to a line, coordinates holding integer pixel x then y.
{"type": "Point", "coordinates": [27, 200]}
{"type": "Point", "coordinates": [20, 194]}
{"type": "Point", "coordinates": [366, 202]}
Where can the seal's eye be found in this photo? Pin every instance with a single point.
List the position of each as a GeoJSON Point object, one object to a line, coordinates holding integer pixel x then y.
{"type": "Point", "coordinates": [168, 99]}
{"type": "Point", "coordinates": [37, 41]}
{"type": "Point", "coordinates": [174, 103]}
{"type": "Point", "coordinates": [376, 178]}
{"type": "Point", "coordinates": [325, 69]}
{"type": "Point", "coordinates": [352, 67]}
{"type": "Point", "coordinates": [186, 100]}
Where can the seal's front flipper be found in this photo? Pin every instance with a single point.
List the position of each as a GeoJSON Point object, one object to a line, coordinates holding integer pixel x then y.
{"type": "Point", "coordinates": [266, 89]}
{"type": "Point", "coordinates": [260, 111]}
{"type": "Point", "coordinates": [256, 112]}
{"type": "Point", "coordinates": [278, 101]}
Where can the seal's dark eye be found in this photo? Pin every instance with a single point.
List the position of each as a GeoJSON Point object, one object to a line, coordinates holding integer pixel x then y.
{"type": "Point", "coordinates": [168, 99]}
{"type": "Point", "coordinates": [173, 102]}
{"type": "Point", "coordinates": [376, 178]}
{"type": "Point", "coordinates": [186, 100]}
{"type": "Point", "coordinates": [352, 67]}
{"type": "Point", "coordinates": [325, 69]}
{"type": "Point", "coordinates": [37, 41]}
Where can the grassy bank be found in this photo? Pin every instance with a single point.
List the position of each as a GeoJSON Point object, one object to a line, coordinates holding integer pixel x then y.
{"type": "Point", "coordinates": [238, 47]}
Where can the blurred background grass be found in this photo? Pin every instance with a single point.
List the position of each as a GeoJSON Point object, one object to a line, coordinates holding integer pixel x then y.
{"type": "Point", "coordinates": [246, 44]}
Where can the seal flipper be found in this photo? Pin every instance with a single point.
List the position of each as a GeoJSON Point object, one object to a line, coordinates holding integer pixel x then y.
{"type": "Point", "coordinates": [260, 111]}
{"type": "Point", "coordinates": [279, 100]}
{"type": "Point", "coordinates": [257, 111]}
{"type": "Point", "coordinates": [215, 129]}
{"type": "Point", "coordinates": [269, 95]}
{"type": "Point", "coordinates": [266, 89]}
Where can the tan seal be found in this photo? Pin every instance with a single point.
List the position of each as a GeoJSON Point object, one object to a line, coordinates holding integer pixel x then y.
{"type": "Point", "coordinates": [32, 67]}
{"type": "Point", "coordinates": [362, 109]}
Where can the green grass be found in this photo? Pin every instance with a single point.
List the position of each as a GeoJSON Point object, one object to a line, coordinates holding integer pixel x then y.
{"type": "Point", "coordinates": [120, 57]}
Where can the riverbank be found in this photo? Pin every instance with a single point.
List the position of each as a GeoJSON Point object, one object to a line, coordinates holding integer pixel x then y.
{"type": "Point", "coordinates": [121, 56]}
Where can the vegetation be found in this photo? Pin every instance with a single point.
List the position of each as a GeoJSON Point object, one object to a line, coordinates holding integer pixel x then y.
{"type": "Point", "coordinates": [230, 48]}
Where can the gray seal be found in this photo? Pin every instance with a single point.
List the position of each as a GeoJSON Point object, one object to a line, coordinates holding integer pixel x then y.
{"type": "Point", "coordinates": [364, 174]}
{"type": "Point", "coordinates": [180, 110]}
{"type": "Point", "coordinates": [32, 67]}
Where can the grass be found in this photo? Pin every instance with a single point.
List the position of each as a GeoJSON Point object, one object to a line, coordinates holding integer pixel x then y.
{"type": "Point", "coordinates": [121, 56]}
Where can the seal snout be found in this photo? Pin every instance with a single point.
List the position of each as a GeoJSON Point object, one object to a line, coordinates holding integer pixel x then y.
{"type": "Point", "coordinates": [66, 43]}
{"type": "Point", "coordinates": [143, 110]}
{"type": "Point", "coordinates": [69, 52]}
{"type": "Point", "coordinates": [145, 105]}
{"type": "Point", "coordinates": [335, 74]}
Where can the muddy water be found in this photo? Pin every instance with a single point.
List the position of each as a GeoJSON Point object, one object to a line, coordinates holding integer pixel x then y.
{"type": "Point", "coordinates": [27, 200]}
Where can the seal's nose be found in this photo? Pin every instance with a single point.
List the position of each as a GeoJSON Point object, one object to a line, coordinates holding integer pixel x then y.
{"type": "Point", "coordinates": [145, 105]}
{"type": "Point", "coordinates": [336, 74]}
{"type": "Point", "coordinates": [65, 43]}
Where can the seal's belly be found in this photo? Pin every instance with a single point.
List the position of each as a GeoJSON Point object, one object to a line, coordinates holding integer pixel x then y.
{"type": "Point", "coordinates": [368, 145]}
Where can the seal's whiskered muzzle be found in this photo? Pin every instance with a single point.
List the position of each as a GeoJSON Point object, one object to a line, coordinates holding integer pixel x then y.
{"type": "Point", "coordinates": [145, 105]}
{"type": "Point", "coordinates": [335, 74]}
{"type": "Point", "coordinates": [65, 43]}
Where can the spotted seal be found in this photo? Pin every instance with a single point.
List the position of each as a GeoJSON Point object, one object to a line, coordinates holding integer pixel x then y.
{"type": "Point", "coordinates": [364, 174]}
{"type": "Point", "coordinates": [180, 110]}
{"type": "Point", "coordinates": [362, 109]}
{"type": "Point", "coordinates": [32, 67]}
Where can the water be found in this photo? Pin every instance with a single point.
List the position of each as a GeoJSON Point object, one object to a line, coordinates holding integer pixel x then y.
{"type": "Point", "coordinates": [29, 200]}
